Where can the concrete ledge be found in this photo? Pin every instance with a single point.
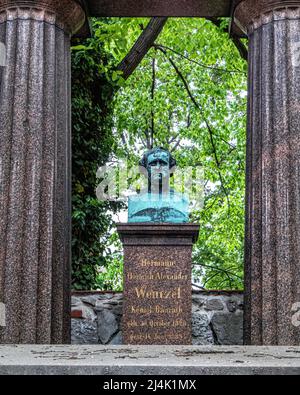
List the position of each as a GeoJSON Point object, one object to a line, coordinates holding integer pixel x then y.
{"type": "Point", "coordinates": [154, 360]}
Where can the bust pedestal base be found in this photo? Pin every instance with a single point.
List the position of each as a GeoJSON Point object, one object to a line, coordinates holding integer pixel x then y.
{"type": "Point", "coordinates": [157, 283]}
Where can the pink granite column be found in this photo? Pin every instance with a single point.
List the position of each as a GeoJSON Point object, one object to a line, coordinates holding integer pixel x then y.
{"type": "Point", "coordinates": [35, 159]}
{"type": "Point", "coordinates": [273, 171]}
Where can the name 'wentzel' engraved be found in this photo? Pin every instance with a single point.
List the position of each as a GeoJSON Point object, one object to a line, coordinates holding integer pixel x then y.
{"type": "Point", "coordinates": [145, 293]}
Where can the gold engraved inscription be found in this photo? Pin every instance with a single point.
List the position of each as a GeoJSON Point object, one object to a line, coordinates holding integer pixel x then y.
{"type": "Point", "coordinates": [157, 263]}
{"type": "Point", "coordinates": [157, 276]}
{"type": "Point", "coordinates": [157, 309]}
{"type": "Point", "coordinates": [155, 337]}
{"type": "Point", "coordinates": [146, 293]}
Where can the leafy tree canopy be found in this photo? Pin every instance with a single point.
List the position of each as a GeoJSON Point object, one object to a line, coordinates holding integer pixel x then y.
{"type": "Point", "coordinates": [187, 95]}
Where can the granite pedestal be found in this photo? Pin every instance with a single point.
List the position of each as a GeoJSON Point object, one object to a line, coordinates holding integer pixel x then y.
{"type": "Point", "coordinates": [157, 283]}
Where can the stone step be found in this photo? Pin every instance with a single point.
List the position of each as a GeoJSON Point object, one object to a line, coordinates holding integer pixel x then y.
{"type": "Point", "coordinates": [154, 360]}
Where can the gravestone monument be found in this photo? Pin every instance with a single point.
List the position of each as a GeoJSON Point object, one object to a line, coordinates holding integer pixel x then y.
{"type": "Point", "coordinates": [158, 244]}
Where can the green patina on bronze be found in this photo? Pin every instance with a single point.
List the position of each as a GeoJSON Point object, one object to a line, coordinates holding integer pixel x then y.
{"type": "Point", "coordinates": [159, 203]}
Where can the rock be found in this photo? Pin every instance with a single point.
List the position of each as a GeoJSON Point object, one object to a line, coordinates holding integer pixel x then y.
{"type": "Point", "coordinates": [198, 300]}
{"type": "Point", "coordinates": [228, 328]}
{"type": "Point", "coordinates": [107, 326]}
{"type": "Point", "coordinates": [106, 304]}
{"type": "Point", "coordinates": [232, 305]}
{"type": "Point", "coordinates": [118, 296]}
{"type": "Point", "coordinates": [86, 313]}
{"type": "Point", "coordinates": [110, 303]}
{"type": "Point", "coordinates": [117, 310]}
{"type": "Point", "coordinates": [201, 331]}
{"type": "Point", "coordinates": [84, 332]}
{"type": "Point", "coordinates": [235, 304]}
{"type": "Point", "coordinates": [117, 339]}
{"type": "Point", "coordinates": [75, 301]}
{"type": "Point", "coordinates": [106, 296]}
{"type": "Point", "coordinates": [195, 308]}
{"type": "Point", "coordinates": [90, 299]}
{"type": "Point", "coordinates": [214, 304]}
{"type": "Point", "coordinates": [101, 306]}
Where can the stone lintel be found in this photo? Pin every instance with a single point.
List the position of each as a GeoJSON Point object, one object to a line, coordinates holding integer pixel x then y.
{"type": "Point", "coordinates": [148, 8]}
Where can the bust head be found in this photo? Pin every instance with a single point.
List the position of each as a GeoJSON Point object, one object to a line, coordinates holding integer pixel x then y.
{"type": "Point", "coordinates": [158, 163]}
{"type": "Point", "coordinates": [159, 204]}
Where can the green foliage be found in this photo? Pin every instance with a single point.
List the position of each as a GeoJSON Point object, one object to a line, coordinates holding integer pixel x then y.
{"type": "Point", "coordinates": [189, 94]}
{"type": "Point", "coordinates": [110, 277]}
{"type": "Point", "coordinates": [92, 143]}
{"type": "Point", "coordinates": [205, 127]}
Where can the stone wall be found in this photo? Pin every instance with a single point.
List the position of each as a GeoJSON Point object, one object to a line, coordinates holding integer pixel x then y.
{"type": "Point", "coordinates": [217, 318]}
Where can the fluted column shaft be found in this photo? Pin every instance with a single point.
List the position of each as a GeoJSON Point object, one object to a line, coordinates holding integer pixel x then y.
{"type": "Point", "coordinates": [272, 253]}
{"type": "Point", "coordinates": [35, 157]}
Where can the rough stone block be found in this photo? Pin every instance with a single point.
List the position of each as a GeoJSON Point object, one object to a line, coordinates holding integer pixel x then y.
{"type": "Point", "coordinates": [201, 331]}
{"type": "Point", "coordinates": [107, 326]}
{"type": "Point", "coordinates": [84, 332]}
{"type": "Point", "coordinates": [214, 304]}
{"type": "Point", "coordinates": [117, 339]}
{"type": "Point", "coordinates": [91, 300]}
{"type": "Point", "coordinates": [228, 328]}
{"type": "Point", "coordinates": [75, 301]}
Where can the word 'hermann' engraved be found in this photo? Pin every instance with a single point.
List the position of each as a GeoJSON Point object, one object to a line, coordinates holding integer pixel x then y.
{"type": "Point", "coordinates": [144, 293]}
{"type": "Point", "coordinates": [148, 263]}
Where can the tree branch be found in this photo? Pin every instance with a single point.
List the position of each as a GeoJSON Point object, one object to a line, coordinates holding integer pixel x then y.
{"type": "Point", "coordinates": [237, 42]}
{"type": "Point", "coordinates": [157, 46]}
{"type": "Point", "coordinates": [142, 46]}
{"type": "Point", "coordinates": [152, 101]}
{"type": "Point", "coordinates": [211, 134]}
{"type": "Point", "coordinates": [225, 271]}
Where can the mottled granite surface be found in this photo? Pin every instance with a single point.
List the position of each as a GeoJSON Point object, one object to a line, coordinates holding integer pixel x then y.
{"type": "Point", "coordinates": [272, 253]}
{"type": "Point", "coordinates": [249, 15]}
{"type": "Point", "coordinates": [157, 283]}
{"type": "Point", "coordinates": [66, 14]}
{"type": "Point", "coordinates": [35, 172]}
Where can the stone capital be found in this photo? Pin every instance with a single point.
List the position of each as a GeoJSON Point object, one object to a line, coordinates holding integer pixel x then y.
{"type": "Point", "coordinates": [66, 14]}
{"type": "Point", "coordinates": [250, 15]}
